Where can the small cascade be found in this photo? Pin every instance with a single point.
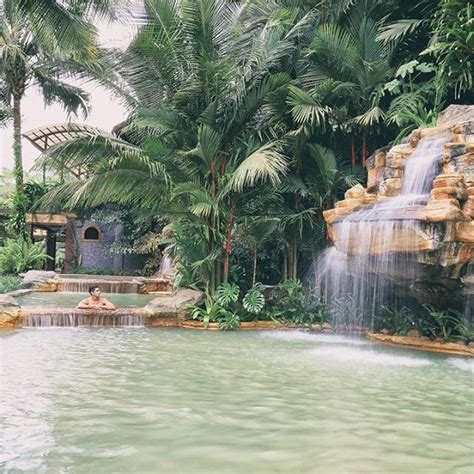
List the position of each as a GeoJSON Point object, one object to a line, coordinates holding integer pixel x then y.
{"type": "Point", "coordinates": [422, 166]}
{"type": "Point", "coordinates": [74, 318]}
{"type": "Point", "coordinates": [376, 246]}
{"type": "Point", "coordinates": [165, 265]}
{"type": "Point", "coordinates": [105, 286]}
{"type": "Point", "coordinates": [166, 269]}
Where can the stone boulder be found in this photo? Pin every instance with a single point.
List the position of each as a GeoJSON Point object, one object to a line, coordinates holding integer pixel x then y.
{"type": "Point", "coordinates": [455, 114]}
{"type": "Point", "coordinates": [173, 306]}
{"type": "Point", "coordinates": [9, 311]}
{"type": "Point", "coordinates": [434, 235]}
{"type": "Point", "coordinates": [39, 280]}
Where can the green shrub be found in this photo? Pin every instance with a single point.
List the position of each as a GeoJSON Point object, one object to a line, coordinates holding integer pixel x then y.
{"type": "Point", "coordinates": [292, 302]}
{"type": "Point", "coordinates": [254, 301]}
{"type": "Point", "coordinates": [211, 312]}
{"type": "Point", "coordinates": [229, 322]}
{"type": "Point", "coordinates": [396, 320]}
{"type": "Point", "coordinates": [465, 331]}
{"type": "Point", "coordinates": [227, 293]}
{"type": "Point", "coordinates": [440, 323]}
{"type": "Point", "coordinates": [346, 310]}
{"type": "Point", "coordinates": [9, 283]}
{"type": "Point", "coordinates": [20, 255]}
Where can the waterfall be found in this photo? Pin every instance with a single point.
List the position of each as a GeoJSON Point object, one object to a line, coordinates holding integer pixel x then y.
{"type": "Point", "coordinates": [105, 286]}
{"type": "Point", "coordinates": [74, 318]}
{"type": "Point", "coordinates": [374, 246]}
{"type": "Point", "coordinates": [165, 265]}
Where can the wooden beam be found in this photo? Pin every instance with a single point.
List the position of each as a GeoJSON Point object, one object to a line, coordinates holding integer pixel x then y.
{"type": "Point", "coordinates": [50, 220]}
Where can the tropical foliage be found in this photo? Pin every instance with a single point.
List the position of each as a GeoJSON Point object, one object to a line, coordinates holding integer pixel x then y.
{"type": "Point", "coordinates": [19, 255]}
{"type": "Point", "coordinates": [246, 119]}
{"type": "Point", "coordinates": [41, 42]}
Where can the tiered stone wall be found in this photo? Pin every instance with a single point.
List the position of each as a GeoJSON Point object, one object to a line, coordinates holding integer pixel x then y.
{"type": "Point", "coordinates": [442, 234]}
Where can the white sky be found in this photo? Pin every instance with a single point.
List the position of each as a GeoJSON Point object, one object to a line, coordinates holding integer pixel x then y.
{"type": "Point", "coordinates": [105, 110]}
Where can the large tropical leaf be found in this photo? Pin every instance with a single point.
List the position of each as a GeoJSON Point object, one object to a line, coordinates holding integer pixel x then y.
{"type": "Point", "coordinates": [264, 164]}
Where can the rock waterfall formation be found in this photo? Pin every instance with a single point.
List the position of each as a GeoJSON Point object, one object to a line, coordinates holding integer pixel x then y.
{"type": "Point", "coordinates": [410, 233]}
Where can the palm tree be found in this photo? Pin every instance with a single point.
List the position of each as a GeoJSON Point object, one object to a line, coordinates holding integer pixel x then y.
{"type": "Point", "coordinates": [198, 78]}
{"type": "Point", "coordinates": [254, 232]}
{"type": "Point", "coordinates": [63, 27]}
{"type": "Point", "coordinates": [348, 56]}
{"type": "Point", "coordinates": [25, 62]}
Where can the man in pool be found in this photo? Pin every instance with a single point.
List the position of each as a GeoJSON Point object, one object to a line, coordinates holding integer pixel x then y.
{"type": "Point", "coordinates": [95, 300]}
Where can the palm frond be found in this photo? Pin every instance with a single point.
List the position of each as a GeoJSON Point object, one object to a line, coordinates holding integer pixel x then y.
{"type": "Point", "coordinates": [370, 117]}
{"type": "Point", "coordinates": [398, 29]}
{"type": "Point", "coordinates": [266, 163]}
{"type": "Point", "coordinates": [306, 108]}
{"type": "Point", "coordinates": [71, 98]}
{"type": "Point", "coordinates": [87, 151]}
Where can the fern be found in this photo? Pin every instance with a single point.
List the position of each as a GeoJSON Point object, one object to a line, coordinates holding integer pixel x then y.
{"type": "Point", "coordinates": [17, 256]}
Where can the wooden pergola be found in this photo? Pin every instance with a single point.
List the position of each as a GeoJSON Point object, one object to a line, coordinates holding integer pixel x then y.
{"type": "Point", "coordinates": [51, 224]}
{"type": "Point", "coordinates": [47, 136]}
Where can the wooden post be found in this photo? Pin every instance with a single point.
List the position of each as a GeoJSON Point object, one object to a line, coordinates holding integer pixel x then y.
{"type": "Point", "coordinates": [51, 249]}
{"type": "Point", "coordinates": [69, 246]}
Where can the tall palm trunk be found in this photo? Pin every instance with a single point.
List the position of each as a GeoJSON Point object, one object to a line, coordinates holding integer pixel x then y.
{"type": "Point", "coordinates": [285, 265]}
{"type": "Point", "coordinates": [294, 259]}
{"type": "Point", "coordinates": [228, 238]}
{"type": "Point", "coordinates": [19, 211]}
{"type": "Point", "coordinates": [254, 273]}
{"type": "Point", "coordinates": [290, 260]}
{"type": "Point", "coordinates": [353, 152]}
{"type": "Point", "coordinates": [364, 152]}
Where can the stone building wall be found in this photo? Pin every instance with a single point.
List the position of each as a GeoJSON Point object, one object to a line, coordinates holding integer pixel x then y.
{"type": "Point", "coordinates": [95, 253]}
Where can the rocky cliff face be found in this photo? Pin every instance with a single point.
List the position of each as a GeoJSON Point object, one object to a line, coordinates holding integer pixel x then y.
{"type": "Point", "coordinates": [433, 226]}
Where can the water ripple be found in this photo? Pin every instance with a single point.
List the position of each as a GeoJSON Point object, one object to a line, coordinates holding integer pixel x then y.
{"type": "Point", "coordinates": [127, 400]}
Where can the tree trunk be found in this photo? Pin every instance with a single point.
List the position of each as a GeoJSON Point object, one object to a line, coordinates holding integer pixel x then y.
{"type": "Point", "coordinates": [228, 247]}
{"type": "Point", "coordinates": [213, 178]}
{"type": "Point", "coordinates": [353, 153]}
{"type": "Point", "coordinates": [228, 238]}
{"type": "Point", "coordinates": [254, 274]}
{"type": "Point", "coordinates": [226, 268]}
{"type": "Point", "coordinates": [290, 261]}
{"type": "Point", "coordinates": [364, 152]}
{"type": "Point", "coordinates": [294, 270]}
{"type": "Point", "coordinates": [20, 211]}
{"type": "Point", "coordinates": [218, 272]}
{"type": "Point", "coordinates": [212, 279]}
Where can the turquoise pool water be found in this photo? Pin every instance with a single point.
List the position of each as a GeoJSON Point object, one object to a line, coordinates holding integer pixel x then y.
{"type": "Point", "coordinates": [64, 299]}
{"type": "Point", "coordinates": [177, 401]}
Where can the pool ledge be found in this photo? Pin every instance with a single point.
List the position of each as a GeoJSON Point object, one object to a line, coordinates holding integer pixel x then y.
{"type": "Point", "coordinates": [424, 344]}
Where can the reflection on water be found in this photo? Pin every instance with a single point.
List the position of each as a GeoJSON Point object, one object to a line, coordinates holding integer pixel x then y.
{"type": "Point", "coordinates": [124, 400]}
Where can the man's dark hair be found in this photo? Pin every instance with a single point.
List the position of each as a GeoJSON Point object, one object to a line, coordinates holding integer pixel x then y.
{"type": "Point", "coordinates": [92, 288]}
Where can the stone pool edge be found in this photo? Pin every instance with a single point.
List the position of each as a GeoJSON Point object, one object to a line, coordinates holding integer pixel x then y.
{"type": "Point", "coordinates": [13, 319]}
{"type": "Point", "coordinates": [423, 344]}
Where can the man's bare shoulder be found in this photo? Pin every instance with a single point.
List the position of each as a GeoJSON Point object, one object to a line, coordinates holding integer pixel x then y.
{"type": "Point", "coordinates": [85, 303]}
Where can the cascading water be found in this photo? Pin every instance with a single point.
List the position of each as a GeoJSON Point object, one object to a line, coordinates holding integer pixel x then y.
{"type": "Point", "coordinates": [373, 248]}
{"type": "Point", "coordinates": [73, 318]}
{"type": "Point", "coordinates": [166, 263]}
{"type": "Point", "coordinates": [105, 286]}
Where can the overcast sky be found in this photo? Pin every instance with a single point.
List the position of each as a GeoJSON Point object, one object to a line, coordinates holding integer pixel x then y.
{"type": "Point", "coordinates": [105, 110]}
